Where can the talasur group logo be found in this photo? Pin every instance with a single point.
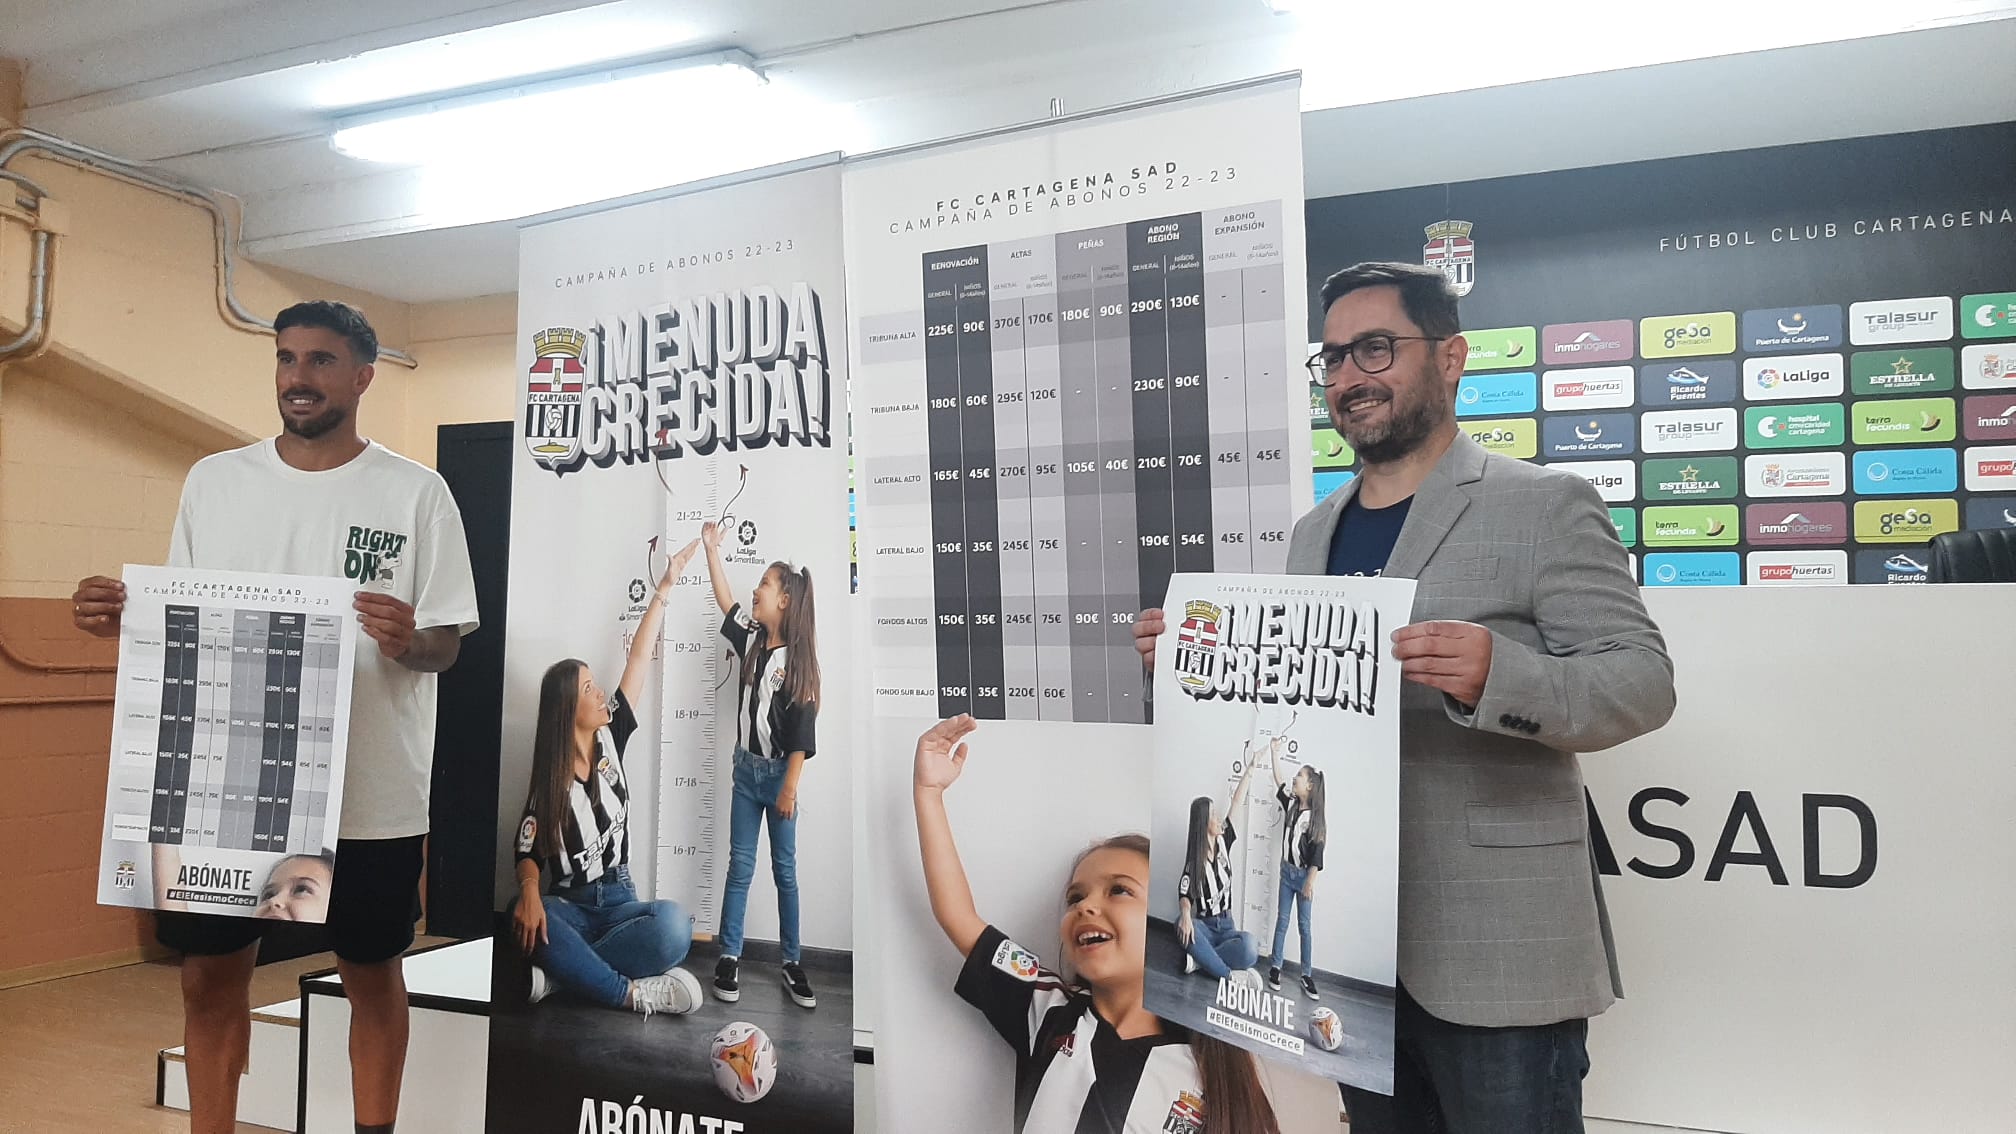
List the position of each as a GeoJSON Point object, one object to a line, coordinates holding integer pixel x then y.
{"type": "Point", "coordinates": [553, 396]}
{"type": "Point", "coordinates": [1451, 251]}
{"type": "Point", "coordinates": [1880, 322]}
{"type": "Point", "coordinates": [1688, 431]}
{"type": "Point", "coordinates": [1991, 315]}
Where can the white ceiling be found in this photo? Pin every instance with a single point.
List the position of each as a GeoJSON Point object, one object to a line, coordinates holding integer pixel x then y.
{"type": "Point", "coordinates": [241, 94]}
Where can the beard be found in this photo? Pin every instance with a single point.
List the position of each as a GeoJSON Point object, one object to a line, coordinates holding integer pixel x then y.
{"type": "Point", "coordinates": [311, 428]}
{"type": "Point", "coordinates": [1413, 413]}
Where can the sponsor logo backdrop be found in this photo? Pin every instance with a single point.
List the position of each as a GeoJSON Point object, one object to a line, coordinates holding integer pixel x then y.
{"type": "Point", "coordinates": [1850, 339]}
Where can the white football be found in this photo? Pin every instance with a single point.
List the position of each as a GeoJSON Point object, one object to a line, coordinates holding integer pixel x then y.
{"type": "Point", "coordinates": [1326, 1029]}
{"type": "Point", "coordinates": [745, 1062]}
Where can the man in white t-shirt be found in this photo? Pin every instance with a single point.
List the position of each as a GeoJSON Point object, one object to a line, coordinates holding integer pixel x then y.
{"type": "Point", "coordinates": [318, 499]}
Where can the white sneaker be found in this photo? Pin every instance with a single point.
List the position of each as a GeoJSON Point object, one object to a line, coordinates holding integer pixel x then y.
{"type": "Point", "coordinates": [676, 993]}
{"type": "Point", "coordinates": [1189, 964]}
{"type": "Point", "coordinates": [542, 985]}
{"type": "Point", "coordinates": [1249, 978]}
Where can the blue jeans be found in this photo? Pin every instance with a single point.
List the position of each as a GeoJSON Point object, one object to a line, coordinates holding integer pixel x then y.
{"type": "Point", "coordinates": [1219, 947]}
{"type": "Point", "coordinates": [1455, 1079]}
{"type": "Point", "coordinates": [1292, 879]}
{"type": "Point", "coordinates": [757, 779]}
{"type": "Point", "coordinates": [599, 937]}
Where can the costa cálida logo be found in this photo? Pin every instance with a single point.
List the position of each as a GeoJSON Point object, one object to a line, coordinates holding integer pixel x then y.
{"type": "Point", "coordinates": [730, 370]}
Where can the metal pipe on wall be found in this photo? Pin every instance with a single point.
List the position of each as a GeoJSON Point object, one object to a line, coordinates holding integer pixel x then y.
{"type": "Point", "coordinates": [16, 142]}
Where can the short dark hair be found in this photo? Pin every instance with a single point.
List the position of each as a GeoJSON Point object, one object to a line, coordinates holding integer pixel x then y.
{"type": "Point", "coordinates": [1424, 292]}
{"type": "Point", "coordinates": [333, 315]}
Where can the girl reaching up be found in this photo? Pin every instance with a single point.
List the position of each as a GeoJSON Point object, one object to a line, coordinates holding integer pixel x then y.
{"type": "Point", "coordinates": [589, 934]}
{"type": "Point", "coordinates": [1303, 834]}
{"type": "Point", "coordinates": [776, 710]}
{"type": "Point", "coordinates": [1088, 1056]}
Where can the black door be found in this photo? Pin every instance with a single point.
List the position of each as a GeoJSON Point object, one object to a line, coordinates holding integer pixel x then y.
{"type": "Point", "coordinates": [475, 460]}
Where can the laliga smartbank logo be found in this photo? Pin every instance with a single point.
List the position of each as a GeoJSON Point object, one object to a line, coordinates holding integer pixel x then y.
{"type": "Point", "coordinates": [1904, 521]}
{"type": "Point", "coordinates": [1615, 481]}
{"type": "Point", "coordinates": [1680, 336]}
{"type": "Point", "coordinates": [1880, 322]}
{"type": "Point", "coordinates": [1792, 376]}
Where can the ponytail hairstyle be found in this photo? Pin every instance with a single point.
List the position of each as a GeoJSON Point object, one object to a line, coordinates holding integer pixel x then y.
{"type": "Point", "coordinates": [1319, 831]}
{"type": "Point", "coordinates": [1234, 1102]}
{"type": "Point", "coordinates": [553, 754]}
{"type": "Point", "coordinates": [799, 629]}
{"type": "Point", "coordinates": [1198, 847]}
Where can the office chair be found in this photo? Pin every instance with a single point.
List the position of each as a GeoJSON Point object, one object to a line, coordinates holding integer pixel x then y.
{"type": "Point", "coordinates": [1973, 557]}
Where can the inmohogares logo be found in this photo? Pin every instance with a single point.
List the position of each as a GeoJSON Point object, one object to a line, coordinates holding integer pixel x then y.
{"type": "Point", "coordinates": [1989, 417]}
{"type": "Point", "coordinates": [1450, 251]}
{"type": "Point", "coordinates": [553, 388]}
{"type": "Point", "coordinates": [1797, 568]}
{"type": "Point", "coordinates": [1806, 521]}
{"type": "Point", "coordinates": [1688, 431]}
{"type": "Point", "coordinates": [1881, 322]}
{"type": "Point", "coordinates": [1571, 344]}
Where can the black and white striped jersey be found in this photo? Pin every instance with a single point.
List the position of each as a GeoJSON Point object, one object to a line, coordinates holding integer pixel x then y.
{"type": "Point", "coordinates": [1296, 847]}
{"type": "Point", "coordinates": [1211, 895]}
{"type": "Point", "coordinates": [1073, 1072]}
{"type": "Point", "coordinates": [596, 835]}
{"type": "Point", "coordinates": [766, 722]}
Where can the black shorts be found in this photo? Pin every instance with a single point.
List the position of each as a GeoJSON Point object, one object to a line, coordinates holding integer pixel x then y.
{"type": "Point", "coordinates": [374, 899]}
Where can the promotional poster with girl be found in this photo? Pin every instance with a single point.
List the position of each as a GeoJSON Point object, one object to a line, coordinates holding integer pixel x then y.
{"type": "Point", "coordinates": [675, 797]}
{"type": "Point", "coordinates": [1272, 906]}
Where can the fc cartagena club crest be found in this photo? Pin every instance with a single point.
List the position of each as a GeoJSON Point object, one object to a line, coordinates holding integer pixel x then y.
{"type": "Point", "coordinates": [1197, 645]}
{"type": "Point", "coordinates": [553, 397]}
{"type": "Point", "coordinates": [1451, 251]}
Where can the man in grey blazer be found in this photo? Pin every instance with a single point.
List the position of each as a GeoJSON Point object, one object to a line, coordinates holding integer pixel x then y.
{"type": "Point", "coordinates": [1529, 644]}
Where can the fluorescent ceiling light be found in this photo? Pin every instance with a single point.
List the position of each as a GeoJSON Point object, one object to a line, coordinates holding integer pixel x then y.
{"type": "Point", "coordinates": [568, 115]}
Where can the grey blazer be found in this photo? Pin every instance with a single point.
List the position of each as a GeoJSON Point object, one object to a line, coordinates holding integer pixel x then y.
{"type": "Point", "coordinates": [1501, 916]}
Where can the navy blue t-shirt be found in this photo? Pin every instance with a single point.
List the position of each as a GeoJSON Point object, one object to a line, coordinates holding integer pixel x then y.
{"type": "Point", "coordinates": [1365, 537]}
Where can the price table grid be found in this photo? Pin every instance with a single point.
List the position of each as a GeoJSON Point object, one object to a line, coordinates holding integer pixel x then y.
{"type": "Point", "coordinates": [1101, 408]}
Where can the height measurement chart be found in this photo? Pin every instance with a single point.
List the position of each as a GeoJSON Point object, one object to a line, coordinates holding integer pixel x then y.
{"type": "Point", "coordinates": [231, 715]}
{"type": "Point", "coordinates": [1061, 419]}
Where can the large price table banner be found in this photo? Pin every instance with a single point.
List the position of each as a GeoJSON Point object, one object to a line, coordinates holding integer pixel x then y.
{"type": "Point", "coordinates": [1074, 366]}
{"type": "Point", "coordinates": [683, 364]}
{"type": "Point", "coordinates": [1077, 354]}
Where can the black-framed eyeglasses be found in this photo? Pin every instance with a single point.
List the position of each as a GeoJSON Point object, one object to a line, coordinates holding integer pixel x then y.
{"type": "Point", "coordinates": [1373, 353]}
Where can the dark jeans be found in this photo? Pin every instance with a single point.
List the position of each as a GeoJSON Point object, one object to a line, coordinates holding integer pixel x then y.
{"type": "Point", "coordinates": [1455, 1079]}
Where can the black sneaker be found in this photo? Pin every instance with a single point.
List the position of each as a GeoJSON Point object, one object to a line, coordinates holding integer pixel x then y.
{"type": "Point", "coordinates": [726, 987]}
{"type": "Point", "coordinates": [799, 988]}
{"type": "Point", "coordinates": [1309, 986]}
{"type": "Point", "coordinates": [1274, 977]}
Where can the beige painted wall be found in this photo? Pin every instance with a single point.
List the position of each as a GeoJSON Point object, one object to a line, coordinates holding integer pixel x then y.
{"type": "Point", "coordinates": [468, 367]}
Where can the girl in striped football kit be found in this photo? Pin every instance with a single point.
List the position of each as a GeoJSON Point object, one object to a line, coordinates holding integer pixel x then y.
{"type": "Point", "coordinates": [1303, 834]}
{"type": "Point", "coordinates": [589, 934]}
{"type": "Point", "coordinates": [1211, 940]}
{"type": "Point", "coordinates": [1089, 1058]}
{"type": "Point", "coordinates": [776, 710]}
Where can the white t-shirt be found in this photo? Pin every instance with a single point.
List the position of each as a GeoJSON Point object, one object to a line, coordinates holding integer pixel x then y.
{"type": "Point", "coordinates": [248, 510]}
